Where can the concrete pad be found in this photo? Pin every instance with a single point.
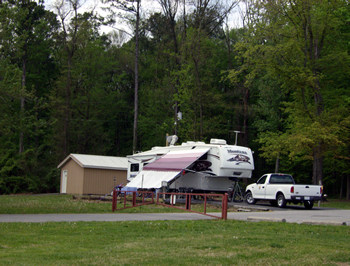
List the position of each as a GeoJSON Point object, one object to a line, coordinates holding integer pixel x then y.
{"type": "Point", "coordinates": [266, 219]}
{"type": "Point", "coordinates": [325, 222]}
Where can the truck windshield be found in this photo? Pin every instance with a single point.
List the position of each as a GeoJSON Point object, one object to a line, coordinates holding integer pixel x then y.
{"type": "Point", "coordinates": [281, 179]}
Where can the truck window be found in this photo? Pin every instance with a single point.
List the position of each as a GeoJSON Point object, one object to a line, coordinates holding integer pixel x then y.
{"type": "Point", "coordinates": [134, 167]}
{"type": "Point", "coordinates": [262, 180]}
{"type": "Point", "coordinates": [281, 179]}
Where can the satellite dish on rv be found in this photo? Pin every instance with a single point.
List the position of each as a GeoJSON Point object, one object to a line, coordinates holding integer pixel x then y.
{"type": "Point", "coordinates": [172, 140]}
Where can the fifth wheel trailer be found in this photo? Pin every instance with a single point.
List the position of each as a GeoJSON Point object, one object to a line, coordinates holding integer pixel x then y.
{"type": "Point", "coordinates": [191, 166]}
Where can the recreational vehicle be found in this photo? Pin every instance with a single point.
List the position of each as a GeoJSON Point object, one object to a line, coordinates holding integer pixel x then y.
{"type": "Point", "coordinates": [191, 166]}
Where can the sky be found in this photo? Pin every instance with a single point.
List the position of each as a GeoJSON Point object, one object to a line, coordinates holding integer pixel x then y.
{"type": "Point", "coordinates": [147, 6]}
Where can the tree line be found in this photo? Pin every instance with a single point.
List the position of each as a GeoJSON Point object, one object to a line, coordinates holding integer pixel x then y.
{"type": "Point", "coordinates": [281, 79]}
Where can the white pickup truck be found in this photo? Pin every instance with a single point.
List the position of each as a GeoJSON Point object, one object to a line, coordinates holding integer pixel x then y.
{"type": "Point", "coordinates": [281, 189]}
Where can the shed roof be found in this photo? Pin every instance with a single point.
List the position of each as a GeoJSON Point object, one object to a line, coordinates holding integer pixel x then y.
{"type": "Point", "coordinates": [97, 161]}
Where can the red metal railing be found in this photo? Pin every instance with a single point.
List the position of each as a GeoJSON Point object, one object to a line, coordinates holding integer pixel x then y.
{"type": "Point", "coordinates": [130, 199]}
{"type": "Point", "coordinates": [188, 202]}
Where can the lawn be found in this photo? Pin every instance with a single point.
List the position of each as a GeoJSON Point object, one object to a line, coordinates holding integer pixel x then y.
{"type": "Point", "coordinates": [16, 204]}
{"type": "Point", "coordinates": [336, 203]}
{"type": "Point", "coordinates": [48, 203]}
{"type": "Point", "coordinates": [161, 242]}
{"type": "Point", "coordinates": [33, 204]}
{"type": "Point", "coordinates": [173, 242]}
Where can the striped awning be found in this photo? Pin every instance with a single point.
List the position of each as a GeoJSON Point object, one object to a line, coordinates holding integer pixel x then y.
{"type": "Point", "coordinates": [166, 168]}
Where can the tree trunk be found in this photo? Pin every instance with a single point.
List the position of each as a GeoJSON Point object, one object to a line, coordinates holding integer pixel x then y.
{"type": "Point", "coordinates": [176, 108]}
{"type": "Point", "coordinates": [70, 50]}
{"type": "Point", "coordinates": [348, 187]}
{"type": "Point", "coordinates": [317, 165]}
{"type": "Point", "coordinates": [23, 84]}
{"type": "Point", "coordinates": [184, 34]}
{"type": "Point", "coordinates": [67, 107]}
{"type": "Point", "coordinates": [317, 151]}
{"type": "Point", "coordinates": [201, 133]}
{"type": "Point", "coordinates": [170, 13]}
{"type": "Point", "coordinates": [277, 164]}
{"type": "Point", "coordinates": [134, 145]}
{"type": "Point", "coordinates": [341, 187]}
{"type": "Point", "coordinates": [199, 96]}
{"type": "Point", "coordinates": [245, 116]}
{"type": "Point", "coordinates": [312, 53]}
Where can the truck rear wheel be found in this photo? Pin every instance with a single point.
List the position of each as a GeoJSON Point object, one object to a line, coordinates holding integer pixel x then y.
{"type": "Point", "coordinates": [308, 204]}
{"type": "Point", "coordinates": [281, 201]}
{"type": "Point", "coordinates": [249, 198]}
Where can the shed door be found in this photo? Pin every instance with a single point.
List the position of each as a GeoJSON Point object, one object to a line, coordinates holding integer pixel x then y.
{"type": "Point", "coordinates": [64, 181]}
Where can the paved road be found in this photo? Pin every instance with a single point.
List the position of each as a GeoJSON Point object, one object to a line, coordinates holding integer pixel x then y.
{"type": "Point", "coordinates": [316, 216]}
{"type": "Point", "coordinates": [290, 215]}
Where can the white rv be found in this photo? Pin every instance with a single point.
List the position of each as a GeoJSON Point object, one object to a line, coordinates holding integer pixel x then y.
{"type": "Point", "coordinates": [192, 166]}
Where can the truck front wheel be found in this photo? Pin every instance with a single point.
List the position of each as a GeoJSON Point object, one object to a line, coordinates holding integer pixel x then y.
{"type": "Point", "coordinates": [308, 204]}
{"type": "Point", "coordinates": [249, 198]}
{"type": "Point", "coordinates": [281, 201]}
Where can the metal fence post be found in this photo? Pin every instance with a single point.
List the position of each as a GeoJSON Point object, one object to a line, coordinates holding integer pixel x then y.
{"type": "Point", "coordinates": [114, 201]}
{"type": "Point", "coordinates": [188, 201]}
{"type": "Point", "coordinates": [133, 198]}
{"type": "Point", "coordinates": [224, 206]}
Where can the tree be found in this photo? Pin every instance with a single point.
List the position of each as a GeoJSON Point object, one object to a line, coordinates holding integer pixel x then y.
{"type": "Point", "coordinates": [170, 8]}
{"type": "Point", "coordinates": [27, 70]}
{"type": "Point", "coordinates": [202, 46]}
{"type": "Point", "coordinates": [133, 7]}
{"type": "Point", "coordinates": [22, 27]}
{"type": "Point", "coordinates": [83, 88]}
{"type": "Point", "coordinates": [296, 43]}
{"type": "Point", "coordinates": [70, 26]}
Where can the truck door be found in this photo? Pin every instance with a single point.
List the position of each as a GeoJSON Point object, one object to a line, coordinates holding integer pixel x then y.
{"type": "Point", "coordinates": [261, 188]}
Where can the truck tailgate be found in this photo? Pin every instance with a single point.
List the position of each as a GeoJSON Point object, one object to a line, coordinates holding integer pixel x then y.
{"type": "Point", "coordinates": [307, 190]}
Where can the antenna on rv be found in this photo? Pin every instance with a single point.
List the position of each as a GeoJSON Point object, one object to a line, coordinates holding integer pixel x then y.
{"type": "Point", "coordinates": [171, 140]}
{"type": "Point", "coordinates": [236, 132]}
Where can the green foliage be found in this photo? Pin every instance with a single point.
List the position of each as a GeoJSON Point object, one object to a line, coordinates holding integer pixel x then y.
{"type": "Point", "coordinates": [282, 80]}
{"type": "Point", "coordinates": [296, 51]}
{"type": "Point", "coordinates": [13, 177]}
{"type": "Point", "coordinates": [26, 72]}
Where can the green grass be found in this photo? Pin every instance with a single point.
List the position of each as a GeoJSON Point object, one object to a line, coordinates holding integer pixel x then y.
{"type": "Point", "coordinates": [33, 204]}
{"type": "Point", "coordinates": [336, 203]}
{"type": "Point", "coordinates": [162, 242]}
{"type": "Point", "coordinates": [16, 204]}
{"type": "Point", "coordinates": [206, 242]}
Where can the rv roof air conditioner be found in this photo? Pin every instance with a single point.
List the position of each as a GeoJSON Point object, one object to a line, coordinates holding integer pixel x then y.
{"type": "Point", "coordinates": [218, 141]}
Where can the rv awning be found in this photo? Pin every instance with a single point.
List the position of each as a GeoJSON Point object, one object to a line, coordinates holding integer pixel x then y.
{"type": "Point", "coordinates": [151, 179]}
{"type": "Point", "coordinates": [166, 168]}
{"type": "Point", "coordinates": [176, 160]}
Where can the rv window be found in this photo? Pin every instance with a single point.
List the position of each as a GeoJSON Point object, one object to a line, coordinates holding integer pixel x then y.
{"type": "Point", "coordinates": [134, 167]}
